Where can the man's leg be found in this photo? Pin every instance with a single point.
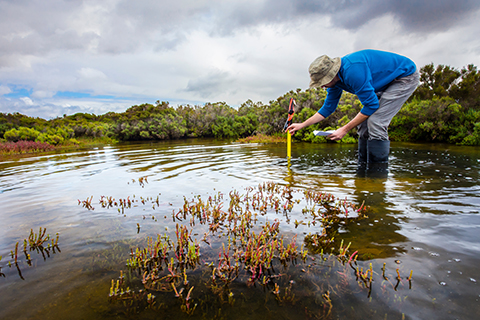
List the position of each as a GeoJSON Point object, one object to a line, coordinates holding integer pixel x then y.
{"type": "Point", "coordinates": [391, 101]}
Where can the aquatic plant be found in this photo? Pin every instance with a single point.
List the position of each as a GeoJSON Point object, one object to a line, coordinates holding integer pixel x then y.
{"type": "Point", "coordinates": [87, 203]}
{"type": "Point", "coordinates": [248, 254]}
{"type": "Point", "coordinates": [39, 242]}
{"type": "Point", "coordinates": [227, 239]}
{"type": "Point", "coordinates": [141, 181]}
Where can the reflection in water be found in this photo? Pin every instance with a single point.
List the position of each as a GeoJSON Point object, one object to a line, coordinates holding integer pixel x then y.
{"type": "Point", "coordinates": [424, 214]}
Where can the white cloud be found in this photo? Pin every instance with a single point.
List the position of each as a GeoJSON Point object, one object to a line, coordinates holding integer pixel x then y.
{"type": "Point", "coordinates": [4, 90]}
{"type": "Point", "coordinates": [90, 73]}
{"type": "Point", "coordinates": [27, 101]}
{"type": "Point", "coordinates": [41, 94]}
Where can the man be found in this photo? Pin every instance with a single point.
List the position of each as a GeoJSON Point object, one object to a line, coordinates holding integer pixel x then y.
{"type": "Point", "coordinates": [383, 81]}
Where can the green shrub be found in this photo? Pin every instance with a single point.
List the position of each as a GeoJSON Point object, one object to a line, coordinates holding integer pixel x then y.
{"type": "Point", "coordinates": [22, 133]}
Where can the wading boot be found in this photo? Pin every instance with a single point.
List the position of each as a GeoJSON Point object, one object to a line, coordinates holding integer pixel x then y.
{"type": "Point", "coordinates": [377, 154]}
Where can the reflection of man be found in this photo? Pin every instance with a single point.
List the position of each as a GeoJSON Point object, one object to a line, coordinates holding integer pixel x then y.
{"type": "Point", "coordinates": [383, 81]}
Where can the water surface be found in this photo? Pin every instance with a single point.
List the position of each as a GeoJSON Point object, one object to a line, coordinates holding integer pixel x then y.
{"type": "Point", "coordinates": [424, 216]}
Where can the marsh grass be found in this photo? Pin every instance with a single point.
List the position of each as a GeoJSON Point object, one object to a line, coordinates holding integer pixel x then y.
{"type": "Point", "coordinates": [226, 252]}
{"type": "Point", "coordinates": [263, 138]}
{"type": "Point", "coordinates": [21, 147]}
{"type": "Point", "coordinates": [27, 147]}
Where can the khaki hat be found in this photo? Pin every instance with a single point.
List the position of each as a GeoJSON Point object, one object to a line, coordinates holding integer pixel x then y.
{"type": "Point", "coordinates": [323, 70]}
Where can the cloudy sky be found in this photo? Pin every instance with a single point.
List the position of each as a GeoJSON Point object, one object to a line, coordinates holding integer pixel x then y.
{"type": "Point", "coordinates": [66, 56]}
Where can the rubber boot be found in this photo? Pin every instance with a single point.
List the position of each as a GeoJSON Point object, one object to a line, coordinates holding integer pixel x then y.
{"type": "Point", "coordinates": [377, 154]}
{"type": "Point", "coordinates": [362, 157]}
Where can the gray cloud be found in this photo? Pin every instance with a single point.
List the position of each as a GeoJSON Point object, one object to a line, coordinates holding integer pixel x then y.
{"type": "Point", "coordinates": [413, 16]}
{"type": "Point", "coordinates": [213, 84]}
{"type": "Point", "coordinates": [35, 28]}
{"type": "Point", "coordinates": [114, 27]}
{"type": "Point", "coordinates": [110, 27]}
{"type": "Point", "coordinates": [433, 15]}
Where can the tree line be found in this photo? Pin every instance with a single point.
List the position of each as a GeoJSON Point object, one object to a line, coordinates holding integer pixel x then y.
{"type": "Point", "coordinates": [444, 108]}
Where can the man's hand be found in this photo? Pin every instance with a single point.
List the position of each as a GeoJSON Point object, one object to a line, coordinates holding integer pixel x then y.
{"type": "Point", "coordinates": [341, 132]}
{"type": "Point", "coordinates": [337, 134]}
{"type": "Point", "coordinates": [294, 127]}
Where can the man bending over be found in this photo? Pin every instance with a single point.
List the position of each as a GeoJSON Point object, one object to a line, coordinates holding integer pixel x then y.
{"type": "Point", "coordinates": [382, 81]}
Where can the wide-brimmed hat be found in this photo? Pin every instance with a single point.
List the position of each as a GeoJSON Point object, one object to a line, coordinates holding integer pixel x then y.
{"type": "Point", "coordinates": [323, 70]}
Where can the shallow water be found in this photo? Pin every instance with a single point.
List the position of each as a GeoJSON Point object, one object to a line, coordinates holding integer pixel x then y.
{"type": "Point", "coordinates": [424, 216]}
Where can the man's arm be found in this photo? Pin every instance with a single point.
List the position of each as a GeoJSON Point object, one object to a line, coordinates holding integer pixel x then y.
{"type": "Point", "coordinates": [359, 79]}
{"type": "Point", "coordinates": [317, 117]}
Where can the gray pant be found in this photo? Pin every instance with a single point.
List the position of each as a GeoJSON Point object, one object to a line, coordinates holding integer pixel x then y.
{"type": "Point", "coordinates": [391, 101]}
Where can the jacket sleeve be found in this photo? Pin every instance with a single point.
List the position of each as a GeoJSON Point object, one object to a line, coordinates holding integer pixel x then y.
{"type": "Point", "coordinates": [331, 101]}
{"type": "Point", "coordinates": [358, 77]}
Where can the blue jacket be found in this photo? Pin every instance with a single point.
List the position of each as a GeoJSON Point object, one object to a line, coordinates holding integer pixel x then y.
{"type": "Point", "coordinates": [364, 73]}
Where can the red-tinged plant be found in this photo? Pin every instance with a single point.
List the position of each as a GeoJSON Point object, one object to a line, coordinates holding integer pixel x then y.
{"type": "Point", "coordinates": [24, 147]}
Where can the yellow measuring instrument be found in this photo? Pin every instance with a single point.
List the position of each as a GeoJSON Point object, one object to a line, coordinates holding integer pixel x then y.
{"type": "Point", "coordinates": [291, 112]}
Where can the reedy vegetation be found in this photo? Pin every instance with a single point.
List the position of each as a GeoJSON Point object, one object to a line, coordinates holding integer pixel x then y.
{"type": "Point", "coordinates": [444, 108]}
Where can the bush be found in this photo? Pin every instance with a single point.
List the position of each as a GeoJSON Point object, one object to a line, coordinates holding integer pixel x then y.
{"type": "Point", "coordinates": [53, 139]}
{"type": "Point", "coordinates": [22, 133]}
{"type": "Point", "coordinates": [439, 119]}
{"type": "Point", "coordinates": [472, 139]}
